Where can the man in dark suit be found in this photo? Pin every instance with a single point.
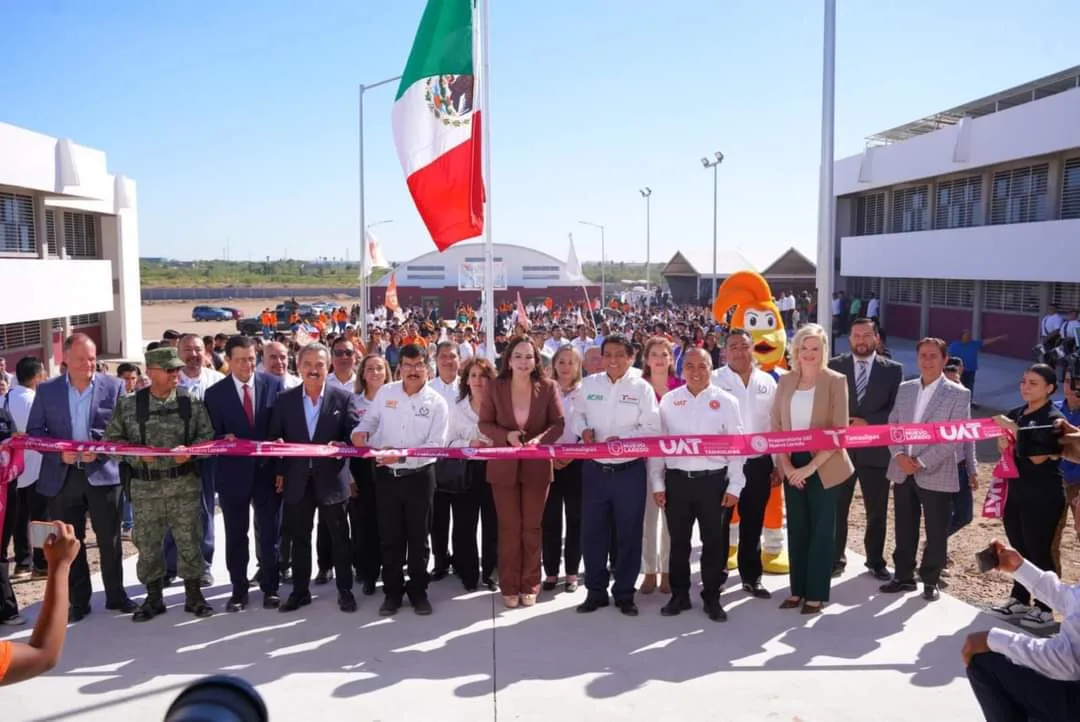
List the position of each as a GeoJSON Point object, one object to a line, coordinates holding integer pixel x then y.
{"type": "Point", "coordinates": [240, 408]}
{"type": "Point", "coordinates": [319, 413]}
{"type": "Point", "coordinates": [872, 384]}
{"type": "Point", "coordinates": [78, 407]}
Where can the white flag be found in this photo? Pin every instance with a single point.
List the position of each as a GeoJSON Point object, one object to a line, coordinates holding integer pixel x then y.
{"type": "Point", "coordinates": [375, 257]}
{"type": "Point", "coordinates": [573, 266]}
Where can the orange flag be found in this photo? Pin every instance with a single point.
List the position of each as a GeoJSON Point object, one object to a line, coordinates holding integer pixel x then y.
{"type": "Point", "coordinates": [391, 301]}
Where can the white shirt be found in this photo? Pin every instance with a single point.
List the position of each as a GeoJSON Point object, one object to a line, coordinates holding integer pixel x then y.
{"type": "Point", "coordinates": [396, 420]}
{"type": "Point", "coordinates": [926, 392]}
{"type": "Point", "coordinates": [1051, 322]}
{"type": "Point", "coordinates": [568, 401]}
{"type": "Point", "coordinates": [552, 345]}
{"type": "Point", "coordinates": [581, 345]}
{"type": "Point", "coordinates": [1056, 657]}
{"type": "Point", "coordinates": [362, 405]}
{"type": "Point", "coordinates": [713, 411]}
{"type": "Point", "coordinates": [197, 386]}
{"type": "Point", "coordinates": [240, 390]}
{"type": "Point", "coordinates": [625, 408]}
{"type": "Point", "coordinates": [449, 391]}
{"type": "Point", "coordinates": [755, 397]}
{"type": "Point", "coordinates": [311, 410]}
{"type": "Point", "coordinates": [464, 425]}
{"type": "Point", "coordinates": [348, 384]}
{"type": "Point", "coordinates": [465, 351]}
{"type": "Point", "coordinates": [19, 400]}
{"type": "Point", "coordinates": [802, 409]}
{"type": "Point", "coordinates": [872, 307]}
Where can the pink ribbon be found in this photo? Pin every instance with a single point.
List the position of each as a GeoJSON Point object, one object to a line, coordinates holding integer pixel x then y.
{"type": "Point", "coordinates": [998, 491]}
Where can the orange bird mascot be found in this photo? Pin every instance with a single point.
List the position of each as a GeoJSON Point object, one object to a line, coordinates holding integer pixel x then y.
{"type": "Point", "coordinates": [747, 296]}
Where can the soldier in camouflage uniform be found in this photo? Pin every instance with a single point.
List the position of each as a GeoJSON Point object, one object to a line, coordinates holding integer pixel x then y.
{"type": "Point", "coordinates": [166, 492]}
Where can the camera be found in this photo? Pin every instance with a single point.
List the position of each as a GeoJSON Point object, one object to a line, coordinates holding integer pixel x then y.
{"type": "Point", "coordinates": [1058, 350]}
{"type": "Point", "coordinates": [220, 698]}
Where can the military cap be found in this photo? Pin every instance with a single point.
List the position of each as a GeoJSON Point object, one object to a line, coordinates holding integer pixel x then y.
{"type": "Point", "coordinates": [164, 357]}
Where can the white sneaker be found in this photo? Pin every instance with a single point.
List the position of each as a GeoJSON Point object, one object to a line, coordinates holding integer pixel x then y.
{"type": "Point", "coordinates": [1037, 619]}
{"type": "Point", "coordinates": [1011, 608]}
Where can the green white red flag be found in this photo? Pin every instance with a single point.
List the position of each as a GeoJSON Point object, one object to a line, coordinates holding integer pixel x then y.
{"type": "Point", "coordinates": [436, 121]}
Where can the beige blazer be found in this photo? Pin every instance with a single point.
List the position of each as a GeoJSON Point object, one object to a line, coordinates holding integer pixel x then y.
{"type": "Point", "coordinates": [830, 412]}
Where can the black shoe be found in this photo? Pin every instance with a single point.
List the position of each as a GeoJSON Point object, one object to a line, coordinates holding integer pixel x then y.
{"type": "Point", "coordinates": [489, 583]}
{"type": "Point", "coordinates": [470, 586]}
{"type": "Point", "coordinates": [440, 573]}
{"type": "Point", "coordinates": [838, 570]}
{"type": "Point", "coordinates": [194, 601]}
{"type": "Point", "coordinates": [421, 606]}
{"type": "Point", "coordinates": [713, 610]}
{"type": "Point", "coordinates": [346, 601]}
{"type": "Point", "coordinates": [627, 607]}
{"type": "Point", "coordinates": [255, 580]}
{"type": "Point", "coordinates": [880, 573]}
{"type": "Point", "coordinates": [151, 607]}
{"type": "Point", "coordinates": [169, 579]}
{"type": "Point", "coordinates": [206, 580]}
{"type": "Point", "coordinates": [369, 588]}
{"type": "Point", "coordinates": [271, 600]}
{"type": "Point", "coordinates": [676, 605]}
{"type": "Point", "coordinates": [897, 587]}
{"type": "Point", "coordinates": [930, 593]}
{"type": "Point", "coordinates": [548, 585]}
{"type": "Point", "coordinates": [324, 576]}
{"type": "Point", "coordinates": [237, 603]}
{"type": "Point", "coordinates": [295, 601]}
{"type": "Point", "coordinates": [757, 591]}
{"type": "Point", "coordinates": [77, 614]}
{"type": "Point", "coordinates": [591, 604]}
{"type": "Point", "coordinates": [126, 606]}
{"type": "Point", "coordinates": [286, 576]}
{"type": "Point", "coordinates": [389, 607]}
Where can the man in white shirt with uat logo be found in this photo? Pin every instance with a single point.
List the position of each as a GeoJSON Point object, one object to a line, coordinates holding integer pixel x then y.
{"type": "Point", "coordinates": [701, 488]}
{"type": "Point", "coordinates": [614, 406]}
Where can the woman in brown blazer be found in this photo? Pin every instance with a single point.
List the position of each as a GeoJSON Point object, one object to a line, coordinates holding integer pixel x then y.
{"type": "Point", "coordinates": [811, 397]}
{"type": "Point", "coordinates": [520, 408]}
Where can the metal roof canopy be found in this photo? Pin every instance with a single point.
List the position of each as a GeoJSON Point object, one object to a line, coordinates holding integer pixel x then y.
{"type": "Point", "coordinates": [1024, 93]}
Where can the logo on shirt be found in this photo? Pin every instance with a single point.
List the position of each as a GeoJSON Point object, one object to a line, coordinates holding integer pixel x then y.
{"type": "Point", "coordinates": [759, 444]}
{"type": "Point", "coordinates": [629, 399]}
{"type": "Point", "coordinates": [714, 404]}
{"type": "Point", "coordinates": [680, 402]}
{"type": "Point", "coordinates": [391, 403]}
{"type": "Point", "coordinates": [594, 397]}
{"type": "Point", "coordinates": [762, 389]}
{"type": "Point", "coordinates": [423, 411]}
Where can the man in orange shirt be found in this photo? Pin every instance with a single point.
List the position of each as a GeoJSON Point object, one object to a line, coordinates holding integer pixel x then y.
{"type": "Point", "coordinates": [20, 662]}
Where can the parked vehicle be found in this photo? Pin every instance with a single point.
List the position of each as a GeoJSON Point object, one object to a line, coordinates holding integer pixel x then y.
{"type": "Point", "coordinates": [236, 312]}
{"type": "Point", "coordinates": [210, 313]}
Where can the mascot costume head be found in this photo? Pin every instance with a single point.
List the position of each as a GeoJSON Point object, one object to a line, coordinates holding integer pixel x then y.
{"type": "Point", "coordinates": [747, 297]}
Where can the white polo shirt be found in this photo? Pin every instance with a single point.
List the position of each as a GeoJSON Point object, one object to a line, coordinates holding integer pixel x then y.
{"type": "Point", "coordinates": [625, 408]}
{"type": "Point", "coordinates": [755, 397]}
{"type": "Point", "coordinates": [396, 420]}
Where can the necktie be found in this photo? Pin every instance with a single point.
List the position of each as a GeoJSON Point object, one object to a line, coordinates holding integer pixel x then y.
{"type": "Point", "coordinates": [862, 376]}
{"type": "Point", "coordinates": [249, 406]}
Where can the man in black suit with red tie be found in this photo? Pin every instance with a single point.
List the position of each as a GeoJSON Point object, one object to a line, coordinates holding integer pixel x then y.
{"type": "Point", "coordinates": [318, 413]}
{"type": "Point", "coordinates": [239, 408]}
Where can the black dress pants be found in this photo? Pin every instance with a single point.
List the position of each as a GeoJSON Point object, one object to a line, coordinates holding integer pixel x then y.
{"type": "Point", "coordinates": [1032, 516]}
{"type": "Point", "coordinates": [364, 520]}
{"type": "Point", "coordinates": [441, 511]}
{"type": "Point", "coordinates": [1008, 692]}
{"type": "Point", "coordinates": [404, 506]}
{"type": "Point", "coordinates": [70, 505]}
{"type": "Point", "coordinates": [752, 502]}
{"type": "Point", "coordinates": [9, 606]}
{"type": "Point", "coordinates": [489, 522]}
{"type": "Point", "coordinates": [324, 546]}
{"type": "Point", "coordinates": [697, 496]}
{"type": "Point", "coordinates": [911, 503]}
{"type": "Point", "coordinates": [564, 492]}
{"type": "Point", "coordinates": [300, 520]}
{"type": "Point", "coordinates": [875, 492]}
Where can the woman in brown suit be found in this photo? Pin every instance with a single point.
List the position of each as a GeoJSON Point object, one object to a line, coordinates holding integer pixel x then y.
{"type": "Point", "coordinates": [811, 397]}
{"type": "Point", "coordinates": [520, 408]}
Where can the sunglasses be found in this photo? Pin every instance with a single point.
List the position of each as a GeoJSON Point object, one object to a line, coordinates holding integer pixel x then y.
{"type": "Point", "coordinates": [343, 353]}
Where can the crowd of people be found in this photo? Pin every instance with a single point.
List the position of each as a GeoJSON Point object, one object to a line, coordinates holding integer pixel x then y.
{"type": "Point", "coordinates": [558, 375]}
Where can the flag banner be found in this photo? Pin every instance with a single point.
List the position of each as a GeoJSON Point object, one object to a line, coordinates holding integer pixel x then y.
{"type": "Point", "coordinates": [391, 301]}
{"type": "Point", "coordinates": [573, 265]}
{"type": "Point", "coordinates": [436, 124]}
{"type": "Point", "coordinates": [522, 317]}
{"type": "Point", "coordinates": [375, 257]}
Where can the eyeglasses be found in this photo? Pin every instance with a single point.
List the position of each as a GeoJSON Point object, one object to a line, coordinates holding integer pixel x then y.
{"type": "Point", "coordinates": [343, 353]}
{"type": "Point", "coordinates": [413, 367]}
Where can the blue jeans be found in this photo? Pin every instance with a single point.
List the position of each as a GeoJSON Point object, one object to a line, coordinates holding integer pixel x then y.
{"type": "Point", "coordinates": [962, 504]}
{"type": "Point", "coordinates": [127, 519]}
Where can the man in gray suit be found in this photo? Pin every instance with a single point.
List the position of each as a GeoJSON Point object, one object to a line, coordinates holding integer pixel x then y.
{"type": "Point", "coordinates": [873, 381]}
{"type": "Point", "coordinates": [924, 476]}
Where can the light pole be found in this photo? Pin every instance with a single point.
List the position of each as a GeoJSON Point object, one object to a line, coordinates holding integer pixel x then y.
{"type": "Point", "coordinates": [603, 261]}
{"type": "Point", "coordinates": [646, 193]}
{"type": "Point", "coordinates": [826, 245]}
{"type": "Point", "coordinates": [718, 158]}
{"type": "Point", "coordinates": [363, 227]}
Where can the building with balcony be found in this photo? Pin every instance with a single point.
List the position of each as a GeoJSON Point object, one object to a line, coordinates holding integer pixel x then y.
{"type": "Point", "coordinates": [970, 218]}
{"type": "Point", "coordinates": [69, 250]}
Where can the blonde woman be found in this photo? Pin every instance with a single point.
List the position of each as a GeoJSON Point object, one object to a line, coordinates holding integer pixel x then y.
{"type": "Point", "coordinates": [812, 396]}
{"type": "Point", "coordinates": [565, 490]}
{"type": "Point", "coordinates": [372, 374]}
{"type": "Point", "coordinates": [660, 373]}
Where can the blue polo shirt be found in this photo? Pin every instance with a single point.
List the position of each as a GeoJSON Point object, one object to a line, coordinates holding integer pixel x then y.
{"type": "Point", "coordinates": [968, 353]}
{"type": "Point", "coordinates": [1070, 470]}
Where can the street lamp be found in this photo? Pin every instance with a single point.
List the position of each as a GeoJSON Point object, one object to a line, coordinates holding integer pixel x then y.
{"type": "Point", "coordinates": [603, 261]}
{"type": "Point", "coordinates": [646, 193]}
{"type": "Point", "coordinates": [718, 158]}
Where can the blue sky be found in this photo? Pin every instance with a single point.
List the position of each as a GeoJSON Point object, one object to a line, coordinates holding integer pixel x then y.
{"type": "Point", "coordinates": [238, 119]}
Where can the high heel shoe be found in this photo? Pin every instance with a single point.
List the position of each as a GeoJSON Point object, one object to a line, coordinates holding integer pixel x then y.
{"type": "Point", "coordinates": [665, 583]}
{"type": "Point", "coordinates": [527, 600]}
{"type": "Point", "coordinates": [510, 602]}
{"type": "Point", "coordinates": [648, 586]}
{"type": "Point", "coordinates": [549, 584]}
{"type": "Point", "coordinates": [809, 608]}
{"type": "Point", "coordinates": [791, 603]}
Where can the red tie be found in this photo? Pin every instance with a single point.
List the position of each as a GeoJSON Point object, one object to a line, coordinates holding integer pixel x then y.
{"type": "Point", "coordinates": [249, 408]}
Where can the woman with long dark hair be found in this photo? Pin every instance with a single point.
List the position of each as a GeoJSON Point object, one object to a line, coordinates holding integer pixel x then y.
{"type": "Point", "coordinates": [521, 408]}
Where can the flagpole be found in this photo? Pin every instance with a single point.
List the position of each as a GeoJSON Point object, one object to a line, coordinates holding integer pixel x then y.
{"type": "Point", "coordinates": [826, 246]}
{"type": "Point", "coordinates": [482, 26]}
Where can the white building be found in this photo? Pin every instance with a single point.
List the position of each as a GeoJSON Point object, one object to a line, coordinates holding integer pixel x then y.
{"type": "Point", "coordinates": [69, 250]}
{"type": "Point", "coordinates": [968, 219]}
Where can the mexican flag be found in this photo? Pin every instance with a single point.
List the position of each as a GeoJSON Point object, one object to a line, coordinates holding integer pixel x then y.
{"type": "Point", "coordinates": [437, 124]}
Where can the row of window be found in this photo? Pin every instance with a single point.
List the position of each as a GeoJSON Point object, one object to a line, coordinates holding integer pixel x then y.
{"type": "Point", "coordinates": [998, 296]}
{"type": "Point", "coordinates": [18, 234]}
{"type": "Point", "coordinates": [83, 319]}
{"type": "Point", "coordinates": [27, 334]}
{"type": "Point", "coordinates": [1018, 195]}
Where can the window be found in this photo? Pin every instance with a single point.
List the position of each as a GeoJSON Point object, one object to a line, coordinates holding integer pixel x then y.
{"type": "Point", "coordinates": [86, 319]}
{"type": "Point", "coordinates": [948, 293]}
{"type": "Point", "coordinates": [1070, 189]}
{"type": "Point", "coordinates": [1011, 296]}
{"type": "Point", "coordinates": [1020, 195]}
{"type": "Point", "coordinates": [863, 286]}
{"type": "Point", "coordinates": [80, 235]}
{"type": "Point", "coordinates": [906, 291]}
{"type": "Point", "coordinates": [910, 210]}
{"type": "Point", "coordinates": [20, 335]}
{"type": "Point", "coordinates": [959, 203]}
{"type": "Point", "coordinates": [870, 214]}
{"type": "Point", "coordinates": [17, 224]}
{"type": "Point", "coordinates": [50, 233]}
{"type": "Point", "coordinates": [1065, 295]}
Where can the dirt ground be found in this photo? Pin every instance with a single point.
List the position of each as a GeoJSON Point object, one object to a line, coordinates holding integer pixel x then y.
{"type": "Point", "coordinates": [29, 592]}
